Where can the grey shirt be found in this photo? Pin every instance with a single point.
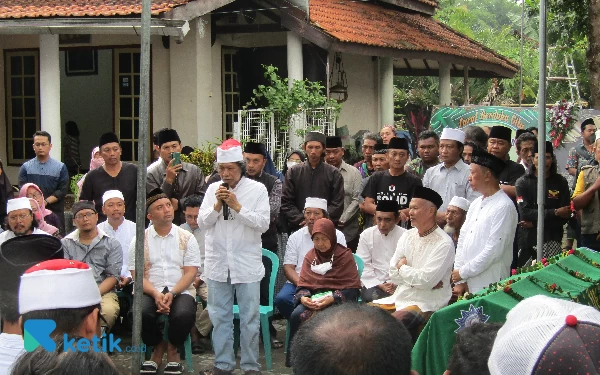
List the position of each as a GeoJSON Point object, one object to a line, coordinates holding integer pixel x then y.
{"type": "Point", "coordinates": [352, 189]}
{"type": "Point", "coordinates": [190, 181]}
{"type": "Point", "coordinates": [450, 182]}
{"type": "Point", "coordinates": [103, 254]}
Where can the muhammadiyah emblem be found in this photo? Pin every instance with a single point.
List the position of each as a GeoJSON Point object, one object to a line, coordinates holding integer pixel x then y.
{"type": "Point", "coordinates": [468, 318]}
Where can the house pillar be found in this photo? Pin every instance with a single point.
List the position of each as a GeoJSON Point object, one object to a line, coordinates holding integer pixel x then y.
{"type": "Point", "coordinates": [386, 90]}
{"type": "Point", "coordinates": [50, 91]}
{"type": "Point", "coordinates": [295, 73]}
{"type": "Point", "coordinates": [445, 93]}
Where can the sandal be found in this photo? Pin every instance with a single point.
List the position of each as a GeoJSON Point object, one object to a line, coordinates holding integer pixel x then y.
{"type": "Point", "coordinates": [173, 368]}
{"type": "Point", "coordinates": [149, 367]}
{"type": "Point", "coordinates": [276, 344]}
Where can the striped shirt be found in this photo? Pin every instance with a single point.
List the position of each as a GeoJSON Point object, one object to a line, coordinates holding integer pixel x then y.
{"type": "Point", "coordinates": [51, 177]}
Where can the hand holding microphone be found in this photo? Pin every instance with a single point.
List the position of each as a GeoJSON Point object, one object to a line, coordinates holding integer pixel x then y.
{"type": "Point", "coordinates": [225, 207]}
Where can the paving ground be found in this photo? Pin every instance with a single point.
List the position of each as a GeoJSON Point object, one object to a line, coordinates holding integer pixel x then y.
{"type": "Point", "coordinates": [205, 361]}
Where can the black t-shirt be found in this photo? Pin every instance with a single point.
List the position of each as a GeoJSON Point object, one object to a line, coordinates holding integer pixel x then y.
{"type": "Point", "coordinates": [511, 173]}
{"type": "Point", "coordinates": [383, 186]}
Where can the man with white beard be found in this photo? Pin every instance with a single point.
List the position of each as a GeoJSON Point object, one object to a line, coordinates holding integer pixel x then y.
{"type": "Point", "coordinates": [456, 213]}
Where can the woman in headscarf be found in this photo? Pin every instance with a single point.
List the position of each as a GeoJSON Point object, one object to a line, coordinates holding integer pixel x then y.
{"type": "Point", "coordinates": [329, 277]}
{"type": "Point", "coordinates": [293, 158]}
{"type": "Point", "coordinates": [95, 162]}
{"type": "Point", "coordinates": [387, 132]}
{"type": "Point", "coordinates": [33, 191]}
{"type": "Point", "coordinates": [42, 225]}
{"type": "Point", "coordinates": [6, 192]}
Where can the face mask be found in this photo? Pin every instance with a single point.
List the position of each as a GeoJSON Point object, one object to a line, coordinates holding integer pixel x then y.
{"type": "Point", "coordinates": [291, 164]}
{"type": "Point", "coordinates": [322, 268]}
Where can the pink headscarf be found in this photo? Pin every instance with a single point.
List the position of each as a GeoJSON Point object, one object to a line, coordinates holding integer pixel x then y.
{"type": "Point", "coordinates": [50, 229]}
{"type": "Point", "coordinates": [96, 163]}
{"type": "Point", "coordinates": [23, 193]}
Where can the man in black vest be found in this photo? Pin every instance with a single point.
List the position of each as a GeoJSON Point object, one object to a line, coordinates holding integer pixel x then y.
{"type": "Point", "coordinates": [255, 156]}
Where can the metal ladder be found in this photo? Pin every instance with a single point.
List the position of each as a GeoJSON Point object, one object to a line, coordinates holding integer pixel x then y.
{"type": "Point", "coordinates": [571, 77]}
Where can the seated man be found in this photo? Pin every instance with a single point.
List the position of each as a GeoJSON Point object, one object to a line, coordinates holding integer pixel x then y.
{"type": "Point", "coordinates": [422, 264]}
{"type": "Point", "coordinates": [172, 258]}
{"type": "Point", "coordinates": [16, 256]}
{"type": "Point", "coordinates": [298, 245]}
{"type": "Point", "coordinates": [456, 214]}
{"type": "Point", "coordinates": [545, 335]}
{"type": "Point", "coordinates": [352, 339]}
{"type": "Point", "coordinates": [376, 247]}
{"type": "Point", "coordinates": [102, 253]}
{"type": "Point", "coordinates": [20, 220]}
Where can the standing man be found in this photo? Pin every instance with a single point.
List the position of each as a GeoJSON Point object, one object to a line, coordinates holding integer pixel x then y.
{"type": "Point", "coordinates": [525, 144]}
{"type": "Point", "coordinates": [365, 166]}
{"type": "Point", "coordinates": [334, 152]}
{"type": "Point", "coordinates": [585, 198]}
{"type": "Point", "coordinates": [456, 214]}
{"type": "Point", "coordinates": [234, 218]}
{"type": "Point", "coordinates": [298, 245]}
{"type": "Point", "coordinates": [50, 175]}
{"type": "Point", "coordinates": [177, 181]}
{"type": "Point", "coordinates": [113, 175]}
{"type": "Point", "coordinates": [312, 178]}
{"type": "Point", "coordinates": [484, 251]}
{"type": "Point", "coordinates": [21, 220]}
{"type": "Point", "coordinates": [380, 163]}
{"type": "Point", "coordinates": [499, 144]}
{"type": "Point", "coordinates": [583, 153]}
{"type": "Point", "coordinates": [102, 253]}
{"type": "Point", "coordinates": [116, 226]}
{"type": "Point", "coordinates": [450, 178]}
{"type": "Point", "coordinates": [376, 247]}
{"type": "Point", "coordinates": [393, 184]}
{"type": "Point", "coordinates": [428, 148]}
{"type": "Point", "coordinates": [171, 260]}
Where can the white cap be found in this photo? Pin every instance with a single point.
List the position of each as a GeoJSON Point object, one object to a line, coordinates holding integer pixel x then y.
{"type": "Point", "coordinates": [230, 151]}
{"type": "Point", "coordinates": [17, 204]}
{"type": "Point", "coordinates": [316, 203]}
{"type": "Point", "coordinates": [530, 326]}
{"type": "Point", "coordinates": [453, 135]}
{"type": "Point", "coordinates": [109, 194]}
{"type": "Point", "coordinates": [58, 284]}
{"type": "Point", "coordinates": [460, 202]}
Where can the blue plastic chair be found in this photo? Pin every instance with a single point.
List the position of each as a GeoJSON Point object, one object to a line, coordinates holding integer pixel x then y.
{"type": "Point", "coordinates": [360, 265]}
{"type": "Point", "coordinates": [265, 311]}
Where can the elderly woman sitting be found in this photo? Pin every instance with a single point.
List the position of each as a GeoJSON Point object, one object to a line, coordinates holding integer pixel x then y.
{"type": "Point", "coordinates": [329, 276]}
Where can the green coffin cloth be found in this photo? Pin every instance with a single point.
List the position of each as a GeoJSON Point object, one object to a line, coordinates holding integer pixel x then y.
{"type": "Point", "coordinates": [432, 350]}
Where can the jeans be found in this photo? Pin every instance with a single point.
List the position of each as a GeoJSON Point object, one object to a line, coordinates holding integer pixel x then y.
{"type": "Point", "coordinates": [285, 300]}
{"type": "Point", "coordinates": [220, 309]}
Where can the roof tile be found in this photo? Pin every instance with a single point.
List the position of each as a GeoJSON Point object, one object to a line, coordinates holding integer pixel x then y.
{"type": "Point", "coordinates": [375, 25]}
{"type": "Point", "coordinates": [81, 8]}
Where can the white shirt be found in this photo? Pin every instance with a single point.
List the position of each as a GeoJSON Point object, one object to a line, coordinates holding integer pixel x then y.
{"type": "Point", "coordinates": [11, 347]}
{"type": "Point", "coordinates": [485, 245]}
{"type": "Point", "coordinates": [7, 235]}
{"type": "Point", "coordinates": [300, 243]}
{"type": "Point", "coordinates": [124, 233]}
{"type": "Point", "coordinates": [165, 258]}
{"type": "Point", "coordinates": [234, 247]}
{"type": "Point", "coordinates": [376, 250]}
{"type": "Point", "coordinates": [429, 261]}
{"type": "Point", "coordinates": [199, 235]}
{"type": "Point", "coordinates": [450, 182]}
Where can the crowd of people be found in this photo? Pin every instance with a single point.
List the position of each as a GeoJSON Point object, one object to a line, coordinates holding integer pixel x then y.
{"type": "Point", "coordinates": [403, 237]}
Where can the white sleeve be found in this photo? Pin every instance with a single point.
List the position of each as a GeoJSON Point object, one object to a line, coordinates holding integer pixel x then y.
{"type": "Point", "coordinates": [433, 271]}
{"type": "Point", "coordinates": [365, 252]}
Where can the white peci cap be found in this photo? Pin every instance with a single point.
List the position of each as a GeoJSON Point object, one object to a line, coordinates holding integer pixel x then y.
{"type": "Point", "coordinates": [230, 151]}
{"type": "Point", "coordinates": [109, 194]}
{"type": "Point", "coordinates": [17, 204]}
{"type": "Point", "coordinates": [316, 203]}
{"type": "Point", "coordinates": [460, 202]}
{"type": "Point", "coordinates": [453, 135]}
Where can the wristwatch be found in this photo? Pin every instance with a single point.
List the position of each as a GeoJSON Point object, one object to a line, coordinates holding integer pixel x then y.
{"type": "Point", "coordinates": [174, 294]}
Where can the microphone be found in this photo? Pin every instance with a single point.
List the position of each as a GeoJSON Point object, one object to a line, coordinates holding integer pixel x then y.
{"type": "Point", "coordinates": [225, 207]}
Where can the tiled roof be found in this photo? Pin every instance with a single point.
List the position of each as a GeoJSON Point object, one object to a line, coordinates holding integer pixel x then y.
{"type": "Point", "coordinates": [370, 24]}
{"type": "Point", "coordinates": [433, 3]}
{"type": "Point", "coordinates": [81, 8]}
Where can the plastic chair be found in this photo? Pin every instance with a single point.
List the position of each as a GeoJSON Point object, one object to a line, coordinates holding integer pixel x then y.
{"type": "Point", "coordinates": [265, 312]}
{"type": "Point", "coordinates": [360, 265]}
{"type": "Point", "coordinates": [187, 345]}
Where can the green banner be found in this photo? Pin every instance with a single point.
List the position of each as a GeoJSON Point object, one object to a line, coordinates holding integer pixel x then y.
{"type": "Point", "coordinates": [460, 117]}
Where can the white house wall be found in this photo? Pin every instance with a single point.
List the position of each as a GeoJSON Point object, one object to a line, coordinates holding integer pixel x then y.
{"type": "Point", "coordinates": [360, 111]}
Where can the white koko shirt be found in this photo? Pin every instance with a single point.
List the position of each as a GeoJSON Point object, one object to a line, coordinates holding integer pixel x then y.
{"type": "Point", "coordinates": [376, 250]}
{"type": "Point", "coordinates": [124, 233]}
{"type": "Point", "coordinates": [485, 245]}
{"type": "Point", "coordinates": [234, 247]}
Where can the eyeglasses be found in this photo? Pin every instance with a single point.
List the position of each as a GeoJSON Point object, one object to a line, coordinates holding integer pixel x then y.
{"type": "Point", "coordinates": [41, 144]}
{"type": "Point", "coordinates": [84, 216]}
{"type": "Point", "coordinates": [34, 195]}
{"type": "Point", "coordinates": [18, 217]}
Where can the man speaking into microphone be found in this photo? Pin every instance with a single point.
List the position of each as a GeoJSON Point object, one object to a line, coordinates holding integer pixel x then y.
{"type": "Point", "coordinates": [233, 263]}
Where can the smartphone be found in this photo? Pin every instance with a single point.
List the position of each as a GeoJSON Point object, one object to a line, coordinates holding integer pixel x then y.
{"type": "Point", "coordinates": [176, 156]}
